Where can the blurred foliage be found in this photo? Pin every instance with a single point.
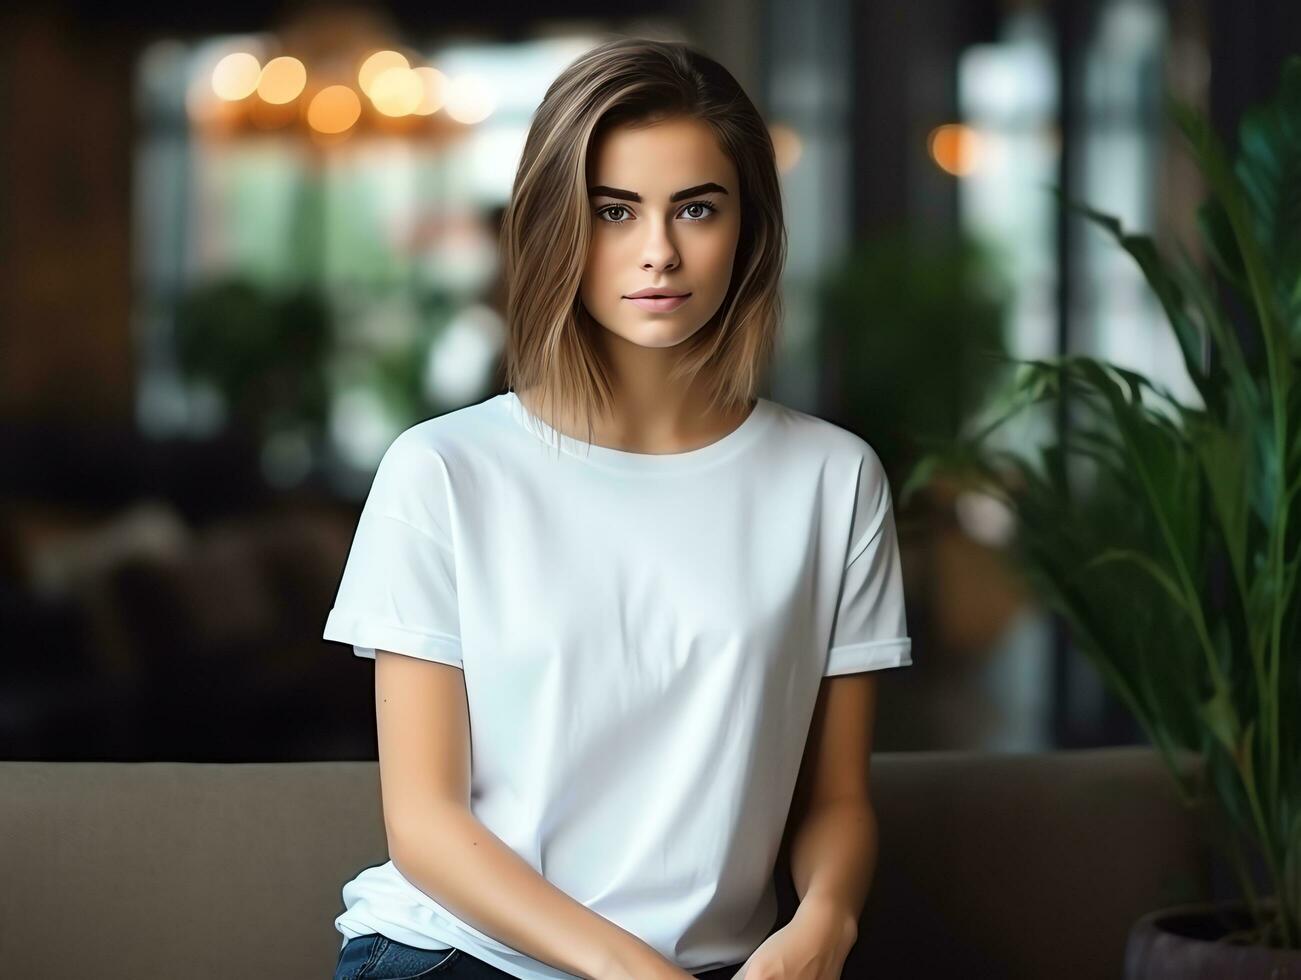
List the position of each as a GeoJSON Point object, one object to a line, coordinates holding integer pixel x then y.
{"type": "Point", "coordinates": [1169, 536]}
{"type": "Point", "coordinates": [915, 331]}
{"type": "Point", "coordinates": [263, 348]}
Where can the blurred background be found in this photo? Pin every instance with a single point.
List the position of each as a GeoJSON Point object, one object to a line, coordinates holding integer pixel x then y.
{"type": "Point", "coordinates": [246, 244]}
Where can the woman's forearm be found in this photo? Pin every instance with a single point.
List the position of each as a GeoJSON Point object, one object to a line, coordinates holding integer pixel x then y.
{"type": "Point", "coordinates": [833, 852]}
{"type": "Point", "coordinates": [469, 870]}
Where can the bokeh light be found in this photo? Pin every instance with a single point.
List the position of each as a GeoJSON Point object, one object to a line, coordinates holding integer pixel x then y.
{"type": "Point", "coordinates": [376, 65]}
{"type": "Point", "coordinates": [434, 90]}
{"type": "Point", "coordinates": [955, 148]}
{"type": "Point", "coordinates": [469, 99]}
{"type": "Point", "coordinates": [236, 76]}
{"type": "Point", "coordinates": [282, 80]}
{"type": "Point", "coordinates": [333, 109]}
{"type": "Point", "coordinates": [397, 91]}
{"type": "Point", "coordinates": [787, 146]}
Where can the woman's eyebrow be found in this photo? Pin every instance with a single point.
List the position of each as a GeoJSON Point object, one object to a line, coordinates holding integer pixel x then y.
{"type": "Point", "coordinates": [601, 190]}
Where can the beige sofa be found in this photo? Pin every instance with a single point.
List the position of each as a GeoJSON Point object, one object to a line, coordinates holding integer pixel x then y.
{"type": "Point", "coordinates": [991, 866]}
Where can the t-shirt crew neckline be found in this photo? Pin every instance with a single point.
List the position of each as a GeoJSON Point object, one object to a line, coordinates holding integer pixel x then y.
{"type": "Point", "coordinates": [621, 459]}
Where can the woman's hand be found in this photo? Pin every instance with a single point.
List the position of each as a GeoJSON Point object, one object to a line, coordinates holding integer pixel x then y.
{"type": "Point", "coordinates": [812, 946]}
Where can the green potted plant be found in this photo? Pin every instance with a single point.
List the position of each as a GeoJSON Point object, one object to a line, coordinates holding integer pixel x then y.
{"type": "Point", "coordinates": [263, 348]}
{"type": "Point", "coordinates": [917, 295]}
{"type": "Point", "coordinates": [1168, 535]}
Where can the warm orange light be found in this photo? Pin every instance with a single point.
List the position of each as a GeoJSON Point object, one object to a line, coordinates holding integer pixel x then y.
{"type": "Point", "coordinates": [235, 76]}
{"type": "Point", "coordinates": [376, 65]}
{"type": "Point", "coordinates": [434, 85]}
{"type": "Point", "coordinates": [955, 148]}
{"type": "Point", "coordinates": [333, 109]}
{"type": "Point", "coordinates": [282, 80]}
{"type": "Point", "coordinates": [397, 91]}
{"type": "Point", "coordinates": [787, 146]}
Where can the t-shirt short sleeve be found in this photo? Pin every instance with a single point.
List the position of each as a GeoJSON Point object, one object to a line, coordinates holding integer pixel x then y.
{"type": "Point", "coordinates": [871, 629]}
{"type": "Point", "coordinates": [398, 589]}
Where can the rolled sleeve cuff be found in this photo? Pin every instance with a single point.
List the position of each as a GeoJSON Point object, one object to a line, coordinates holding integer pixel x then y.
{"type": "Point", "coordinates": [367, 635]}
{"type": "Point", "coordinates": [851, 658]}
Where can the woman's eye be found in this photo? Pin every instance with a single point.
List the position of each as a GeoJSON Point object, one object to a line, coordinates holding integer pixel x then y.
{"type": "Point", "coordinates": [608, 209]}
{"type": "Point", "coordinates": [709, 208]}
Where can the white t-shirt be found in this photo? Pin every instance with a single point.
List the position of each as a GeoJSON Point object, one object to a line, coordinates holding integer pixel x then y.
{"type": "Point", "coordinates": [642, 638]}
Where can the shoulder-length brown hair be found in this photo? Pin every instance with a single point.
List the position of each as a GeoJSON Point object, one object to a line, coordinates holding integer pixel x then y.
{"type": "Point", "coordinates": [547, 225]}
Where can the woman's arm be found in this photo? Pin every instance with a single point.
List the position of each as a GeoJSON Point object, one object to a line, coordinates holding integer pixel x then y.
{"type": "Point", "coordinates": [439, 846]}
{"type": "Point", "coordinates": [833, 829]}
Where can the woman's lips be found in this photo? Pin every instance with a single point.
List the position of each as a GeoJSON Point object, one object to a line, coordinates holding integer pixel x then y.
{"type": "Point", "coordinates": [659, 304]}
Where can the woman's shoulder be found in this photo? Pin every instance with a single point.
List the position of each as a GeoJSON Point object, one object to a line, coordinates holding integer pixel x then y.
{"type": "Point", "coordinates": [808, 433]}
{"type": "Point", "coordinates": [450, 434]}
{"type": "Point", "coordinates": [415, 476]}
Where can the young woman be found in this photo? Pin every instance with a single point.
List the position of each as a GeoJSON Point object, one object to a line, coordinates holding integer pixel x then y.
{"type": "Point", "coordinates": [612, 672]}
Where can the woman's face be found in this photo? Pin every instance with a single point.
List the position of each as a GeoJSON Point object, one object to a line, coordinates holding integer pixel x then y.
{"type": "Point", "coordinates": [666, 216]}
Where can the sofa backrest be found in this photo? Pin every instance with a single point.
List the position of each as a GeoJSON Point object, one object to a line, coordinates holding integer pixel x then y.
{"type": "Point", "coordinates": [1014, 866]}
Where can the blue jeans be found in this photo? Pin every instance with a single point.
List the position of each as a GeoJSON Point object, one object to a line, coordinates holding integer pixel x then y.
{"type": "Point", "coordinates": [377, 957]}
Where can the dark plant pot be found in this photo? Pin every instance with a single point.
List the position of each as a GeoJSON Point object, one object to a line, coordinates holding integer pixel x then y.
{"type": "Point", "coordinates": [1183, 943]}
